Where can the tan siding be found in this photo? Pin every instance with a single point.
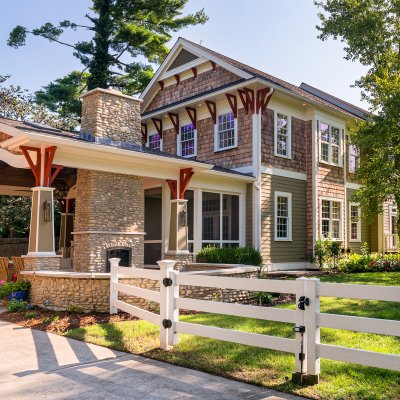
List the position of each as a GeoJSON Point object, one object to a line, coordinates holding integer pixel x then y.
{"type": "Point", "coordinates": [249, 214]}
{"type": "Point", "coordinates": [284, 251]}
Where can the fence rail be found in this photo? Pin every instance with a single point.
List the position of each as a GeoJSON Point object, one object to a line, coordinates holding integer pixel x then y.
{"type": "Point", "coordinates": [307, 318]}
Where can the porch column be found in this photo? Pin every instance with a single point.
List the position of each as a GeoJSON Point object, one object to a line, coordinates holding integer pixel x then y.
{"type": "Point", "coordinates": [41, 232]}
{"type": "Point", "coordinates": [67, 225]}
{"type": "Point", "coordinates": [178, 230]}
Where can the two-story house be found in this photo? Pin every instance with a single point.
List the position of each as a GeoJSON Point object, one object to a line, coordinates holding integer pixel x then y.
{"type": "Point", "coordinates": [204, 106]}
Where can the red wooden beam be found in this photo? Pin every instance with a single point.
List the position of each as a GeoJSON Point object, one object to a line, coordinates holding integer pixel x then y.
{"type": "Point", "coordinates": [178, 79]}
{"type": "Point", "coordinates": [263, 99]}
{"type": "Point", "coordinates": [184, 178]}
{"type": "Point", "coordinates": [242, 96]}
{"type": "Point", "coordinates": [175, 121]}
{"type": "Point", "coordinates": [232, 100]}
{"type": "Point", "coordinates": [212, 108]}
{"type": "Point", "coordinates": [158, 125]}
{"type": "Point", "coordinates": [173, 187]}
{"type": "Point", "coordinates": [192, 115]}
{"type": "Point", "coordinates": [214, 66]}
{"type": "Point", "coordinates": [49, 153]}
{"type": "Point", "coordinates": [161, 83]}
{"type": "Point", "coordinates": [35, 168]}
{"type": "Point", "coordinates": [53, 176]}
{"type": "Point", "coordinates": [194, 70]}
{"type": "Point", "coordinates": [247, 97]}
{"type": "Point", "coordinates": [144, 132]}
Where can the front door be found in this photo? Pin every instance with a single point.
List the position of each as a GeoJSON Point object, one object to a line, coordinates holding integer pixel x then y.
{"type": "Point", "coordinates": [152, 225]}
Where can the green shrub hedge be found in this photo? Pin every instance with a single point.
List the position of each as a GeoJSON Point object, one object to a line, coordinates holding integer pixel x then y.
{"type": "Point", "coordinates": [229, 255]}
{"type": "Point", "coordinates": [369, 263]}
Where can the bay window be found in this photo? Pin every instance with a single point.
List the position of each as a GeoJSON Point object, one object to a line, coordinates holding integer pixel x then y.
{"type": "Point", "coordinates": [330, 144]}
{"type": "Point", "coordinates": [331, 219]}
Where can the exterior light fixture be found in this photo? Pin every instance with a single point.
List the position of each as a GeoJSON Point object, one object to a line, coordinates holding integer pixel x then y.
{"type": "Point", "coordinates": [183, 218]}
{"type": "Point", "coordinates": [47, 211]}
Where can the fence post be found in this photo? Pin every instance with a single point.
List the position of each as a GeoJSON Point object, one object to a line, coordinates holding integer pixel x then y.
{"type": "Point", "coordinates": [166, 305]}
{"type": "Point", "coordinates": [312, 330]}
{"type": "Point", "coordinates": [300, 338]}
{"type": "Point", "coordinates": [114, 262]}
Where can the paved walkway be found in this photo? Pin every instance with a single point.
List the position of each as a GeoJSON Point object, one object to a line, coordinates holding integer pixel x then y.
{"type": "Point", "coordinates": [38, 365]}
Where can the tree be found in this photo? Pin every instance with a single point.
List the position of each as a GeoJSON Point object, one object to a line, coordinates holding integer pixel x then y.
{"type": "Point", "coordinates": [17, 103]}
{"type": "Point", "coordinates": [370, 30]}
{"type": "Point", "coordinates": [123, 31]}
{"type": "Point", "coordinates": [62, 95]}
{"type": "Point", "coordinates": [15, 214]}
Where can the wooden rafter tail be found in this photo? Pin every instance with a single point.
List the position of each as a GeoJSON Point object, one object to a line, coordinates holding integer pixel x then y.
{"type": "Point", "coordinates": [232, 100]}
{"type": "Point", "coordinates": [175, 121]}
{"type": "Point", "coordinates": [35, 168]}
{"type": "Point", "coordinates": [144, 132]}
{"type": "Point", "coordinates": [194, 70]}
{"type": "Point", "coordinates": [173, 187]}
{"type": "Point", "coordinates": [192, 115]}
{"type": "Point", "coordinates": [161, 83]}
{"type": "Point", "coordinates": [185, 175]}
{"type": "Point", "coordinates": [178, 79]}
{"type": "Point", "coordinates": [212, 108]}
{"type": "Point", "coordinates": [213, 65]}
{"type": "Point", "coordinates": [158, 125]}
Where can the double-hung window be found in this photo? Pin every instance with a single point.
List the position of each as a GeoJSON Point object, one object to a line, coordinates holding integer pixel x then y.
{"type": "Point", "coordinates": [355, 223]}
{"type": "Point", "coordinates": [225, 132]}
{"type": "Point", "coordinates": [155, 142]}
{"type": "Point", "coordinates": [283, 216]}
{"type": "Point", "coordinates": [330, 144]}
{"type": "Point", "coordinates": [354, 158]}
{"type": "Point", "coordinates": [331, 219]}
{"type": "Point", "coordinates": [187, 141]}
{"type": "Point", "coordinates": [282, 135]}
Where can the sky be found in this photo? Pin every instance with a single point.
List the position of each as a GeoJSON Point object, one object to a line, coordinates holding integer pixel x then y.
{"type": "Point", "coordinates": [275, 36]}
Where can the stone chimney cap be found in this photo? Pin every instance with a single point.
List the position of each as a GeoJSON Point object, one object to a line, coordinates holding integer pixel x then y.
{"type": "Point", "coordinates": [112, 92]}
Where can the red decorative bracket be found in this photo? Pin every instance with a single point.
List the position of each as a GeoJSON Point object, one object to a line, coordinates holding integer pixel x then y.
{"type": "Point", "coordinates": [161, 83]}
{"type": "Point", "coordinates": [175, 121]}
{"type": "Point", "coordinates": [214, 66]}
{"type": "Point", "coordinates": [247, 97]}
{"type": "Point", "coordinates": [212, 108]}
{"type": "Point", "coordinates": [194, 70]}
{"type": "Point", "coordinates": [173, 187]}
{"type": "Point", "coordinates": [35, 168]}
{"type": "Point", "coordinates": [192, 115]}
{"type": "Point", "coordinates": [233, 103]}
{"type": "Point", "coordinates": [178, 79]}
{"type": "Point", "coordinates": [262, 99]}
{"type": "Point", "coordinates": [185, 175]}
{"type": "Point", "coordinates": [144, 132]}
{"type": "Point", "coordinates": [158, 125]}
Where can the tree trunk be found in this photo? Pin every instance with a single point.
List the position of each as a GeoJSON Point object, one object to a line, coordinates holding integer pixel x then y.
{"type": "Point", "coordinates": [99, 66]}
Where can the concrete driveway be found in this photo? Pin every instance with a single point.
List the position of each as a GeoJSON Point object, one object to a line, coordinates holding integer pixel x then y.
{"type": "Point", "coordinates": [39, 365]}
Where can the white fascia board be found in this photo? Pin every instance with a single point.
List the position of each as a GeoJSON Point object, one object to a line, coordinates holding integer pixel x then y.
{"type": "Point", "coordinates": [284, 173]}
{"type": "Point", "coordinates": [197, 99]}
{"type": "Point", "coordinates": [352, 185]}
{"type": "Point", "coordinates": [15, 160]}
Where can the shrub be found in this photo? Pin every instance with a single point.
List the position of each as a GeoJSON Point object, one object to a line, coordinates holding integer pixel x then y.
{"type": "Point", "coordinates": [30, 315]}
{"type": "Point", "coordinates": [21, 285]}
{"type": "Point", "coordinates": [264, 298]}
{"type": "Point", "coordinates": [370, 263]}
{"type": "Point", "coordinates": [17, 305]}
{"type": "Point", "coordinates": [74, 309]}
{"type": "Point", "coordinates": [6, 289]}
{"type": "Point", "coordinates": [229, 255]}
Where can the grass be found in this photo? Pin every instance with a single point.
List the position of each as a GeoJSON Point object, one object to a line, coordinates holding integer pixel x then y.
{"type": "Point", "coordinates": [266, 367]}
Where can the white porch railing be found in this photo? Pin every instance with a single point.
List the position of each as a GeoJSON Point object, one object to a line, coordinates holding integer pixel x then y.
{"type": "Point", "coordinates": [307, 318]}
{"type": "Point", "coordinates": [392, 243]}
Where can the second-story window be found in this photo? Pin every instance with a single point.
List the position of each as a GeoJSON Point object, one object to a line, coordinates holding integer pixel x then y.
{"type": "Point", "coordinates": [354, 158]}
{"type": "Point", "coordinates": [282, 135]}
{"type": "Point", "coordinates": [226, 132]}
{"type": "Point", "coordinates": [330, 144]}
{"type": "Point", "coordinates": [187, 141]}
{"type": "Point", "coordinates": [155, 141]}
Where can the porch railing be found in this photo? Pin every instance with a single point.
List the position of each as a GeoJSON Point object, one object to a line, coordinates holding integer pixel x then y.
{"type": "Point", "coordinates": [391, 243]}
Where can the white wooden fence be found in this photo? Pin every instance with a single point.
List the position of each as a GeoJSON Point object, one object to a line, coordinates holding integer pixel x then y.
{"type": "Point", "coordinates": [307, 318]}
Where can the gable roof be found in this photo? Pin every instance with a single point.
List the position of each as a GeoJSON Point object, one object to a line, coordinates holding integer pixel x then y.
{"type": "Point", "coordinates": [304, 91]}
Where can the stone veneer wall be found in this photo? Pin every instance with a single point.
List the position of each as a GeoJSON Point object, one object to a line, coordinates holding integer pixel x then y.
{"type": "Point", "coordinates": [111, 114]}
{"type": "Point", "coordinates": [42, 263]}
{"type": "Point", "coordinates": [109, 213]}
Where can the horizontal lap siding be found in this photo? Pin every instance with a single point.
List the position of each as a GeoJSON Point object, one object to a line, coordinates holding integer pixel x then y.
{"type": "Point", "coordinates": [249, 214]}
{"type": "Point", "coordinates": [284, 251]}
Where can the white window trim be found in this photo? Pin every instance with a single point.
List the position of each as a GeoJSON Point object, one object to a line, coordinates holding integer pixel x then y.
{"type": "Point", "coordinates": [179, 144]}
{"type": "Point", "coordinates": [349, 159]}
{"type": "Point", "coordinates": [358, 240]}
{"type": "Point", "coordinates": [289, 135]}
{"type": "Point", "coordinates": [148, 140]}
{"type": "Point", "coordinates": [340, 239]}
{"type": "Point", "coordinates": [289, 197]}
{"type": "Point", "coordinates": [216, 136]}
{"type": "Point", "coordinates": [340, 156]}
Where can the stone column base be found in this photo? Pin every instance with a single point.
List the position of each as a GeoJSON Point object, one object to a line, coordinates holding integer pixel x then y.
{"type": "Point", "coordinates": [305, 379]}
{"type": "Point", "coordinates": [51, 263]}
{"type": "Point", "coordinates": [181, 260]}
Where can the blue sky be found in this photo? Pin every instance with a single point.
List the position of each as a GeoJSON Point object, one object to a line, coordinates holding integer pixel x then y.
{"type": "Point", "coordinates": [276, 36]}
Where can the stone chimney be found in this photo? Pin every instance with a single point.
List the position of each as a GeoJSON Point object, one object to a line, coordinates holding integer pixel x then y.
{"type": "Point", "coordinates": [111, 114]}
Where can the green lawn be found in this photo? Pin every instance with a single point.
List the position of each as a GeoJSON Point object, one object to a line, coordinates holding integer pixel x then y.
{"type": "Point", "coordinates": [271, 368]}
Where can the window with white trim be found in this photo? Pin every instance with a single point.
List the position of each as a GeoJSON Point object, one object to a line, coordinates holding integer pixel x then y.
{"type": "Point", "coordinates": [330, 144]}
{"type": "Point", "coordinates": [220, 220]}
{"type": "Point", "coordinates": [187, 141]}
{"type": "Point", "coordinates": [155, 142]}
{"type": "Point", "coordinates": [283, 216]}
{"type": "Point", "coordinates": [225, 132]}
{"type": "Point", "coordinates": [355, 222]}
{"type": "Point", "coordinates": [283, 135]}
{"type": "Point", "coordinates": [331, 214]}
{"type": "Point", "coordinates": [354, 158]}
